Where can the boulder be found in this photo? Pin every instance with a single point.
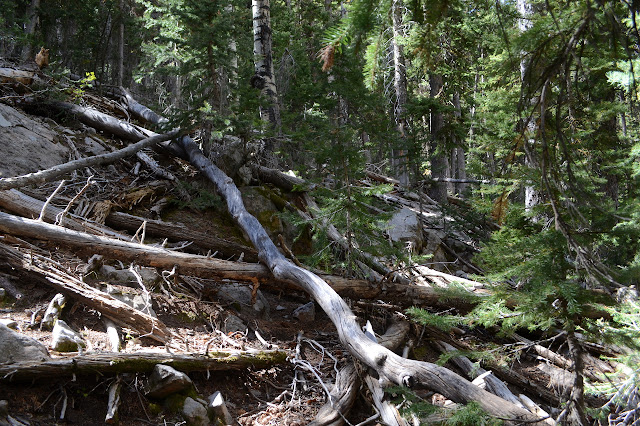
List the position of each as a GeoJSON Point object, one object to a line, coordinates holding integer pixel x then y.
{"type": "Point", "coordinates": [15, 347]}
{"type": "Point", "coordinates": [66, 339]}
{"type": "Point", "coordinates": [233, 324]}
{"type": "Point", "coordinates": [405, 228]}
{"type": "Point", "coordinates": [28, 144]}
{"type": "Point", "coordinates": [240, 295]}
{"type": "Point", "coordinates": [194, 411]}
{"type": "Point", "coordinates": [260, 205]}
{"type": "Point", "coordinates": [306, 312]}
{"type": "Point", "coordinates": [166, 380]}
{"type": "Point", "coordinates": [141, 302]}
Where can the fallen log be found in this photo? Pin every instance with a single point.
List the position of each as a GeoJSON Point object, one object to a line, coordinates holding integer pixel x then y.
{"type": "Point", "coordinates": [56, 171]}
{"type": "Point", "coordinates": [205, 267]}
{"type": "Point", "coordinates": [387, 364]}
{"type": "Point", "coordinates": [179, 232]}
{"type": "Point", "coordinates": [116, 310]}
{"type": "Point", "coordinates": [140, 362]}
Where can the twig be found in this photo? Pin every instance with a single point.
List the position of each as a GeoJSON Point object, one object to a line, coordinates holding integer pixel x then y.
{"type": "Point", "coordinates": [46, 203]}
{"type": "Point", "coordinates": [61, 215]}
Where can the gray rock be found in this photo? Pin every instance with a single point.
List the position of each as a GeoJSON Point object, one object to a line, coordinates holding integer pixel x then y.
{"type": "Point", "coordinates": [66, 339]}
{"type": "Point", "coordinates": [405, 228]}
{"type": "Point", "coordinates": [9, 323]}
{"type": "Point", "coordinates": [126, 277]}
{"type": "Point", "coordinates": [15, 347]}
{"type": "Point", "coordinates": [433, 247]}
{"type": "Point", "coordinates": [3, 293]}
{"type": "Point", "coordinates": [234, 324]}
{"type": "Point", "coordinates": [195, 412]}
{"type": "Point", "coordinates": [28, 144]}
{"type": "Point", "coordinates": [306, 312]}
{"type": "Point", "coordinates": [141, 302]}
{"type": "Point", "coordinates": [241, 294]}
{"type": "Point", "coordinates": [167, 380]}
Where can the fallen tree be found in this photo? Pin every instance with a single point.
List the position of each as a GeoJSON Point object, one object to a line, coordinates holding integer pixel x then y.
{"type": "Point", "coordinates": [141, 362]}
{"type": "Point", "coordinates": [207, 267]}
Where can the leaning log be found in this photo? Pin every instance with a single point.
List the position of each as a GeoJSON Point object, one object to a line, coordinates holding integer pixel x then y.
{"type": "Point", "coordinates": [140, 362]}
{"type": "Point", "coordinates": [387, 364]}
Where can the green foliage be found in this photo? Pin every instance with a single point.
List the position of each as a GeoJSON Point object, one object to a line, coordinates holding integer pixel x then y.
{"type": "Point", "coordinates": [413, 406]}
{"type": "Point", "coordinates": [472, 415]}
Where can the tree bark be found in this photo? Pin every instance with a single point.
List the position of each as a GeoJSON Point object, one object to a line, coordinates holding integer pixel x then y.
{"type": "Point", "coordinates": [399, 156]}
{"type": "Point", "coordinates": [264, 78]}
{"type": "Point", "coordinates": [437, 153]}
{"type": "Point", "coordinates": [30, 29]}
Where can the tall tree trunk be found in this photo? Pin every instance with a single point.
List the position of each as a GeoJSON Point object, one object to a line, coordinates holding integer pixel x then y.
{"type": "Point", "coordinates": [264, 78]}
{"type": "Point", "coordinates": [531, 194]}
{"type": "Point", "coordinates": [30, 29]}
{"type": "Point", "coordinates": [458, 163]}
{"type": "Point", "coordinates": [120, 64]}
{"type": "Point", "coordinates": [399, 156]}
{"type": "Point", "coordinates": [437, 154]}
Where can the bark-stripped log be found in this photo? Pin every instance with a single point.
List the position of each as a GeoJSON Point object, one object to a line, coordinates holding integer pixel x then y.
{"type": "Point", "coordinates": [389, 366]}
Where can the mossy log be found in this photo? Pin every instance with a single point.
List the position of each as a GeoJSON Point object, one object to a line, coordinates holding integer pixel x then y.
{"type": "Point", "coordinates": [140, 362]}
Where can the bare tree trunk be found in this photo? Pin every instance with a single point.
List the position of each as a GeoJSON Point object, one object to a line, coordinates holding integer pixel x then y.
{"type": "Point", "coordinates": [438, 157]}
{"type": "Point", "coordinates": [399, 156]}
{"type": "Point", "coordinates": [30, 29]}
{"type": "Point", "coordinates": [264, 78]}
{"type": "Point", "coordinates": [120, 64]}
{"type": "Point", "coordinates": [531, 195]}
{"type": "Point", "coordinates": [458, 162]}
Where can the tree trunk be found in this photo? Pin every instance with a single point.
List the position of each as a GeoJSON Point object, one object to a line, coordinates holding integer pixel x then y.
{"type": "Point", "coordinates": [120, 64]}
{"type": "Point", "coordinates": [399, 156]}
{"type": "Point", "coordinates": [30, 29]}
{"type": "Point", "coordinates": [437, 153]}
{"type": "Point", "coordinates": [264, 78]}
{"type": "Point", "coordinates": [531, 195]}
{"type": "Point", "coordinates": [458, 162]}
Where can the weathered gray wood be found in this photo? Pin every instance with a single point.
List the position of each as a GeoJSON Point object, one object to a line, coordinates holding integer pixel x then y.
{"type": "Point", "coordinates": [118, 311]}
{"type": "Point", "coordinates": [140, 362]}
{"type": "Point", "coordinates": [390, 366]}
{"type": "Point", "coordinates": [62, 169]}
{"type": "Point", "coordinates": [179, 232]}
